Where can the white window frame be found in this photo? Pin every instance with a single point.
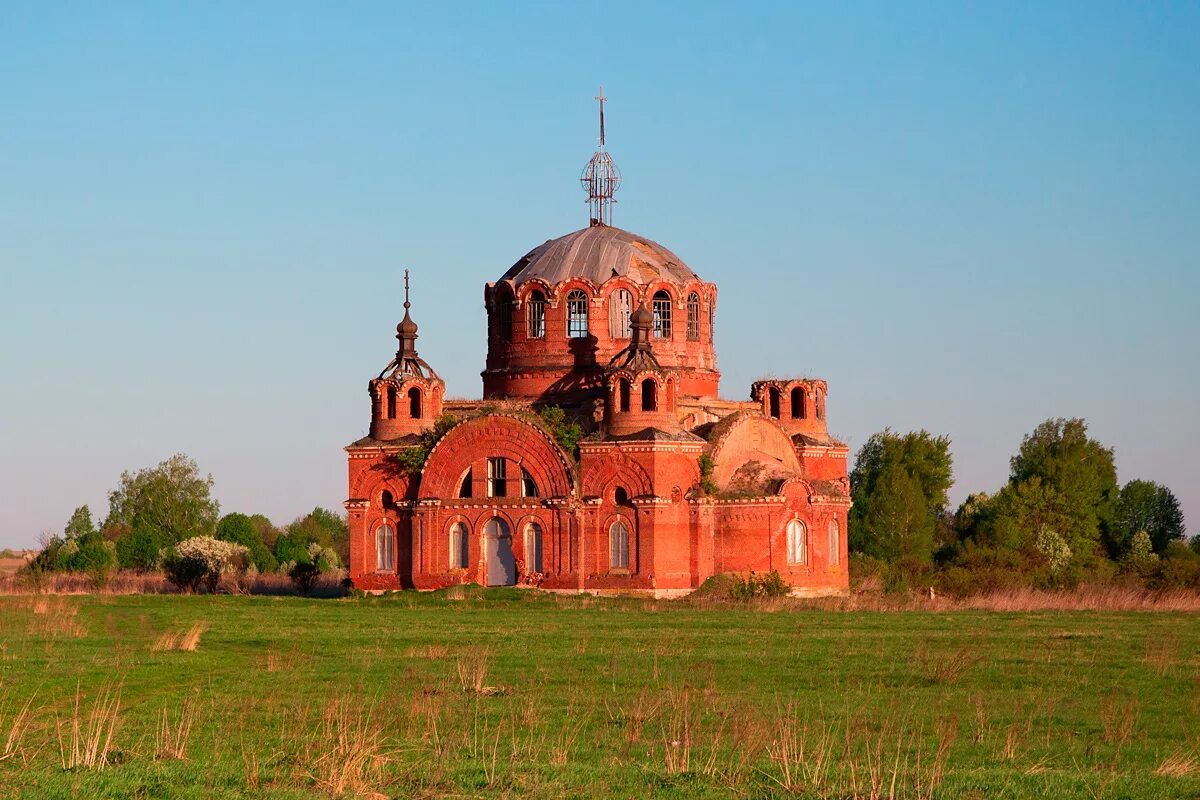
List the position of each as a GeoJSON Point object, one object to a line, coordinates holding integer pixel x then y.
{"type": "Point", "coordinates": [797, 542]}
{"type": "Point", "coordinates": [385, 548]}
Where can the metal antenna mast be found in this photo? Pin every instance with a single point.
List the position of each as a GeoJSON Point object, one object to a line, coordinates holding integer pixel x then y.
{"type": "Point", "coordinates": [600, 178]}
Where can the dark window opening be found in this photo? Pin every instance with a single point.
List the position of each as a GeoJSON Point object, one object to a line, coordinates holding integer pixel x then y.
{"type": "Point", "coordinates": [773, 404]}
{"type": "Point", "coordinates": [414, 403]}
{"type": "Point", "coordinates": [649, 395]}
{"type": "Point", "coordinates": [797, 403]}
{"type": "Point", "coordinates": [623, 394]}
{"type": "Point", "coordinates": [464, 488]}
{"type": "Point", "coordinates": [693, 317]}
{"type": "Point", "coordinates": [385, 499]}
{"type": "Point", "coordinates": [620, 496]}
{"type": "Point", "coordinates": [528, 485]}
{"type": "Point", "coordinates": [504, 319]}
{"type": "Point", "coordinates": [391, 402]}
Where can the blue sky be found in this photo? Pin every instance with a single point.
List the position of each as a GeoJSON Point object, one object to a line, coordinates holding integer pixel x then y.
{"type": "Point", "coordinates": [966, 217]}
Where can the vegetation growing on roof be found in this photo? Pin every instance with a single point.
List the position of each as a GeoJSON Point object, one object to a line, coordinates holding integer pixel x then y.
{"type": "Point", "coordinates": [412, 459]}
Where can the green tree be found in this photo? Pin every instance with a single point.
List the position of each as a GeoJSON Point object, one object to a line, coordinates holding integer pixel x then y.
{"type": "Point", "coordinates": [80, 524]}
{"type": "Point", "coordinates": [240, 529]}
{"type": "Point", "coordinates": [321, 526]}
{"type": "Point", "coordinates": [1145, 506]}
{"type": "Point", "coordinates": [1080, 476]}
{"type": "Point", "coordinates": [899, 486]}
{"type": "Point", "coordinates": [161, 505]}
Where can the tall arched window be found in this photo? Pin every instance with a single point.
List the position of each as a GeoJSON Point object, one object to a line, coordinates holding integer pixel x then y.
{"type": "Point", "coordinates": [623, 394]}
{"type": "Point", "coordinates": [620, 306]}
{"type": "Point", "coordinates": [621, 496]}
{"type": "Point", "coordinates": [649, 395]}
{"type": "Point", "coordinates": [533, 547]}
{"type": "Point", "coordinates": [391, 402]}
{"type": "Point", "coordinates": [773, 402]}
{"type": "Point", "coordinates": [835, 542]}
{"type": "Point", "coordinates": [459, 541]}
{"type": "Point", "coordinates": [820, 404]}
{"type": "Point", "coordinates": [693, 318]}
{"type": "Point", "coordinates": [385, 548]}
{"type": "Point", "coordinates": [385, 499]}
{"type": "Point", "coordinates": [662, 315]}
{"type": "Point", "coordinates": [414, 403]}
{"type": "Point", "coordinates": [797, 544]}
{"type": "Point", "coordinates": [797, 403]}
{"type": "Point", "coordinates": [618, 545]}
{"type": "Point", "coordinates": [537, 315]}
{"type": "Point", "coordinates": [577, 314]}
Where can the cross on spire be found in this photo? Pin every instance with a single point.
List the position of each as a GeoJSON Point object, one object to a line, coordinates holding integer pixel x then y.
{"type": "Point", "coordinates": [600, 177]}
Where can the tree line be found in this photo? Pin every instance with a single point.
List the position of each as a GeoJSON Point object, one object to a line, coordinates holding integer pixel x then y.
{"type": "Point", "coordinates": [1061, 519]}
{"type": "Point", "coordinates": [153, 510]}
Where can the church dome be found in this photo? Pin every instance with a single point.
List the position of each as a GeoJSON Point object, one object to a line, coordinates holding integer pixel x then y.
{"type": "Point", "coordinates": [598, 253]}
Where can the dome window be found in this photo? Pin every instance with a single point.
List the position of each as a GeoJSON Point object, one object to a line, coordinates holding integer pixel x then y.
{"type": "Point", "coordinates": [797, 403]}
{"type": "Point", "coordinates": [693, 317]}
{"type": "Point", "coordinates": [391, 402]}
{"type": "Point", "coordinates": [773, 404]}
{"type": "Point", "coordinates": [504, 319]}
{"type": "Point", "coordinates": [414, 403]}
{"type": "Point", "coordinates": [537, 315]}
{"type": "Point", "coordinates": [623, 394]}
{"type": "Point", "coordinates": [649, 395]}
{"type": "Point", "coordinates": [662, 315]}
{"type": "Point", "coordinates": [577, 315]}
{"type": "Point", "coordinates": [620, 306]}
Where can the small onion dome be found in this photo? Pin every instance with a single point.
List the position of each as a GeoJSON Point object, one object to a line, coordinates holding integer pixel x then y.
{"type": "Point", "coordinates": [642, 318]}
{"type": "Point", "coordinates": [406, 327]}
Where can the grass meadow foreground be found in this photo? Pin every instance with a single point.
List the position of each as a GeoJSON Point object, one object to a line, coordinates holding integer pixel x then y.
{"type": "Point", "coordinates": [510, 693]}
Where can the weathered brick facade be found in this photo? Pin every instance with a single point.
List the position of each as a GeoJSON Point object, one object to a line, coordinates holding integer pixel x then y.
{"type": "Point", "coordinates": [671, 484]}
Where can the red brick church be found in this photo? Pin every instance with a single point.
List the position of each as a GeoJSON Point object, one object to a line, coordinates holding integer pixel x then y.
{"type": "Point", "coordinates": [670, 484]}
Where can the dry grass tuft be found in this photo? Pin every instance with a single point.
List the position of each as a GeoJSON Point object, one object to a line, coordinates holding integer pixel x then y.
{"type": "Point", "coordinates": [472, 667]}
{"type": "Point", "coordinates": [345, 755]}
{"type": "Point", "coordinates": [16, 733]}
{"type": "Point", "coordinates": [171, 740]}
{"type": "Point", "coordinates": [943, 667]}
{"type": "Point", "coordinates": [189, 640]}
{"type": "Point", "coordinates": [1180, 764]}
{"type": "Point", "coordinates": [87, 742]}
{"type": "Point", "coordinates": [53, 617]}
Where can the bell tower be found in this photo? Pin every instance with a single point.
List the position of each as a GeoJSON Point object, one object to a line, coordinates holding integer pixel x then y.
{"type": "Point", "coordinates": [407, 396]}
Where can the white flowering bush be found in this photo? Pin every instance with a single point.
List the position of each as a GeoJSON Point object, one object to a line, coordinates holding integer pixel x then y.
{"type": "Point", "coordinates": [1053, 548]}
{"type": "Point", "coordinates": [1141, 557]}
{"type": "Point", "coordinates": [203, 560]}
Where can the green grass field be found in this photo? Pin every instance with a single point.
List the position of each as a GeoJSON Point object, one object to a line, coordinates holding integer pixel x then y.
{"type": "Point", "coordinates": [515, 694]}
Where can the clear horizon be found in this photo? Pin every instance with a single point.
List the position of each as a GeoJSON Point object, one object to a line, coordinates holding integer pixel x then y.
{"type": "Point", "coordinates": [971, 220]}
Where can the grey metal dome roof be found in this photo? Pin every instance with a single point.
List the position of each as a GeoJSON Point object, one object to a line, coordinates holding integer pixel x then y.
{"type": "Point", "coordinates": [598, 253]}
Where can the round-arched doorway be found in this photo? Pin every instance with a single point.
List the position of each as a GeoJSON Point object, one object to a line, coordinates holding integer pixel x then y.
{"type": "Point", "coordinates": [497, 548]}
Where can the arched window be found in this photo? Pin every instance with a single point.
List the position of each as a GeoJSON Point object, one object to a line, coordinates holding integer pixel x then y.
{"type": "Point", "coordinates": [577, 314]}
{"type": "Point", "coordinates": [533, 547]}
{"type": "Point", "coordinates": [620, 306]}
{"type": "Point", "coordinates": [385, 500]}
{"type": "Point", "coordinates": [537, 315]}
{"type": "Point", "coordinates": [618, 545]}
{"type": "Point", "coordinates": [391, 402]}
{"type": "Point", "coordinates": [797, 544]}
{"type": "Point", "coordinates": [464, 486]}
{"type": "Point", "coordinates": [773, 404]}
{"type": "Point", "coordinates": [835, 542]}
{"type": "Point", "coordinates": [528, 486]}
{"type": "Point", "coordinates": [620, 496]}
{"type": "Point", "coordinates": [662, 315]}
{"type": "Point", "coordinates": [623, 394]}
{"type": "Point", "coordinates": [820, 404]}
{"type": "Point", "coordinates": [712, 319]}
{"type": "Point", "coordinates": [414, 403]}
{"type": "Point", "coordinates": [385, 548]}
{"type": "Point", "coordinates": [459, 542]}
{"type": "Point", "coordinates": [504, 318]}
{"type": "Point", "coordinates": [797, 403]}
{"type": "Point", "coordinates": [693, 318]}
{"type": "Point", "coordinates": [649, 395]}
